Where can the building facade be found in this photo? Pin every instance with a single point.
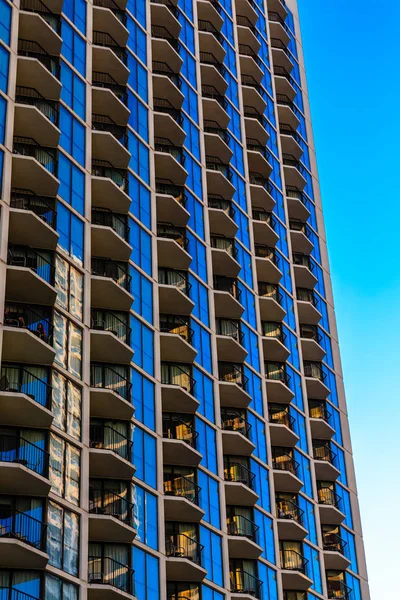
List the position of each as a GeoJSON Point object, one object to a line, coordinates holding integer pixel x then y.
{"type": "Point", "coordinates": [173, 422]}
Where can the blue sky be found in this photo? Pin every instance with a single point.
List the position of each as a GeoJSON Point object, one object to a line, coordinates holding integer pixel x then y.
{"type": "Point", "coordinates": [352, 52]}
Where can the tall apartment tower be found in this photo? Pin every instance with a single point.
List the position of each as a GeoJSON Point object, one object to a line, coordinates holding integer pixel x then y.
{"type": "Point", "coordinates": [173, 423]}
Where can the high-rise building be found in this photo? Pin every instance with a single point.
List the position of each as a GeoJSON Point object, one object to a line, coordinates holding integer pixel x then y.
{"type": "Point", "coordinates": [173, 423]}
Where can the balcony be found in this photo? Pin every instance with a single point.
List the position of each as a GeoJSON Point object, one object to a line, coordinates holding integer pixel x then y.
{"type": "Point", "coordinates": [294, 171]}
{"type": "Point", "coordinates": [210, 11]}
{"type": "Point", "coordinates": [110, 284]}
{"type": "Point", "coordinates": [181, 496]}
{"type": "Point", "coordinates": [308, 306]}
{"type": "Point", "coordinates": [330, 504]}
{"type": "Point", "coordinates": [233, 386]}
{"type": "Point", "coordinates": [109, 57]}
{"type": "Point", "coordinates": [36, 117]}
{"type": "Point", "coordinates": [25, 399]}
{"type": "Point", "coordinates": [219, 176]}
{"type": "Point", "coordinates": [22, 538]}
{"type": "Point", "coordinates": [37, 69]}
{"type": "Point", "coordinates": [166, 84]}
{"type": "Point", "coordinates": [178, 388]}
{"type": "Point", "coordinates": [278, 382]}
{"type": "Point", "coordinates": [244, 584]}
{"type": "Point", "coordinates": [247, 34]}
{"type": "Point", "coordinates": [230, 341]}
{"type": "Point", "coordinates": [109, 97]}
{"type": "Point", "coordinates": [24, 465]}
{"type": "Point", "coordinates": [32, 220]}
{"type": "Point", "coordinates": [110, 337]}
{"type": "Point", "coordinates": [176, 339]}
{"type": "Point", "coordinates": [172, 247]}
{"type": "Point", "coordinates": [242, 534]}
{"type": "Point", "coordinates": [278, 27]}
{"type": "Point", "coordinates": [270, 300]}
{"type": "Point", "coordinates": [298, 204]}
{"type": "Point", "coordinates": [303, 267]}
{"type": "Point", "coordinates": [281, 56]}
{"type": "Point", "coordinates": [311, 342]}
{"type": "Point", "coordinates": [286, 470]}
{"type": "Point", "coordinates": [288, 113]}
{"type": "Point", "coordinates": [213, 72]}
{"type": "Point", "coordinates": [274, 341]}
{"type": "Point", "coordinates": [290, 518]}
{"type": "Point", "coordinates": [334, 545]}
{"type": "Point", "coordinates": [239, 482]}
{"type": "Point", "coordinates": [30, 276]}
{"type": "Point", "coordinates": [179, 440]}
{"type": "Point", "coordinates": [110, 392]}
{"type": "Point", "coordinates": [28, 334]}
{"type": "Point", "coordinates": [255, 123]}
{"type": "Point", "coordinates": [319, 420]}
{"type": "Point", "coordinates": [324, 461]}
{"type": "Point", "coordinates": [216, 141]}
{"type": "Point", "coordinates": [264, 228]}
{"type": "Point", "coordinates": [173, 292]}
{"type": "Point", "coordinates": [261, 192]}
{"type": "Point", "coordinates": [267, 264]}
{"type": "Point", "coordinates": [184, 556]}
{"type": "Point", "coordinates": [315, 380]}
{"type": "Point", "coordinates": [281, 426]}
{"type": "Point", "coordinates": [210, 40]}
{"type": "Point", "coordinates": [165, 47]}
{"type": "Point", "coordinates": [250, 63]}
{"type": "Point", "coordinates": [224, 254]}
{"type": "Point", "coordinates": [171, 203]}
{"type": "Point", "coordinates": [109, 579]}
{"type": "Point", "coordinates": [236, 433]}
{"type": "Point", "coordinates": [169, 161]}
{"type": "Point", "coordinates": [109, 139]}
{"type": "Point", "coordinates": [227, 296]}
{"type": "Point", "coordinates": [110, 234]}
{"type": "Point", "coordinates": [109, 19]}
{"type": "Point", "coordinates": [34, 167]}
{"type": "Point", "coordinates": [111, 516]}
{"type": "Point", "coordinates": [293, 565]}
{"type": "Point", "coordinates": [300, 235]}
{"type": "Point", "coordinates": [279, 6]}
{"type": "Point", "coordinates": [221, 216]}
{"type": "Point", "coordinates": [165, 13]}
{"type": "Point", "coordinates": [110, 451]}
{"type": "Point", "coordinates": [245, 10]}
{"type": "Point", "coordinates": [337, 589]}
{"type": "Point", "coordinates": [214, 106]}
{"type": "Point", "coordinates": [168, 121]}
{"type": "Point", "coordinates": [291, 141]}
{"type": "Point", "coordinates": [110, 187]}
{"type": "Point", "coordinates": [37, 23]}
{"type": "Point", "coordinates": [258, 158]}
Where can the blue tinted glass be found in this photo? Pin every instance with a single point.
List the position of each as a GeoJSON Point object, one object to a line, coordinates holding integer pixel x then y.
{"type": "Point", "coordinates": [269, 588]}
{"type": "Point", "coordinates": [250, 343]}
{"type": "Point", "coordinates": [205, 444]}
{"type": "Point", "coordinates": [349, 548]}
{"type": "Point", "coordinates": [142, 343]}
{"type": "Point", "coordinates": [75, 10]}
{"type": "Point", "coordinates": [203, 392]}
{"type": "Point", "coordinates": [313, 568]}
{"type": "Point", "coordinates": [137, 39]}
{"type": "Point", "coordinates": [211, 559]}
{"type": "Point", "coordinates": [199, 294]}
{"type": "Point", "coordinates": [196, 219]}
{"type": "Point", "coordinates": [258, 436]}
{"type": "Point", "coordinates": [143, 399]}
{"type": "Point", "coordinates": [308, 519]}
{"type": "Point", "coordinates": [141, 204]}
{"type": "Point", "coordinates": [261, 484]}
{"type": "Point", "coordinates": [299, 427]}
{"type": "Point", "coordinates": [142, 291]}
{"type": "Point", "coordinates": [137, 77]}
{"type": "Point", "coordinates": [248, 300]}
{"type": "Point", "coordinates": [209, 498]}
{"type": "Point", "coordinates": [254, 388]}
{"type": "Point", "coordinates": [145, 456]}
{"type": "Point", "coordinates": [193, 181]}
{"type": "Point", "coordinates": [4, 62]}
{"type": "Point", "coordinates": [5, 22]}
{"type": "Point", "coordinates": [265, 535]}
{"type": "Point", "coordinates": [197, 251]}
{"type": "Point", "coordinates": [354, 584]}
{"type": "Point", "coordinates": [304, 472]}
{"type": "Point", "coordinates": [345, 505]}
{"type": "Point", "coordinates": [140, 241]}
{"type": "Point", "coordinates": [138, 10]}
{"type": "Point", "coordinates": [3, 110]}
{"type": "Point", "coordinates": [202, 343]}
{"type": "Point", "coordinates": [77, 235]}
{"type": "Point", "coordinates": [146, 517]}
{"type": "Point", "coordinates": [244, 259]}
{"type": "Point", "coordinates": [147, 578]}
{"type": "Point", "coordinates": [334, 421]}
{"type": "Point", "coordinates": [72, 183]}
{"type": "Point", "coordinates": [138, 119]}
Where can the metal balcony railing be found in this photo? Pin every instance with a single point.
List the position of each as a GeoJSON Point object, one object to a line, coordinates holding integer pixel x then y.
{"type": "Point", "coordinates": [177, 325]}
{"type": "Point", "coordinates": [230, 328]}
{"type": "Point", "coordinates": [30, 96]}
{"type": "Point", "coordinates": [101, 38]}
{"type": "Point", "coordinates": [270, 290]}
{"type": "Point", "coordinates": [329, 497]}
{"type": "Point", "coordinates": [323, 452]}
{"type": "Point", "coordinates": [283, 461]}
{"type": "Point", "coordinates": [258, 179]}
{"type": "Point", "coordinates": [104, 80]}
{"type": "Point", "coordinates": [108, 218]}
{"type": "Point", "coordinates": [332, 542]}
{"type": "Point", "coordinates": [40, 8]}
{"type": "Point", "coordinates": [231, 373]}
{"type": "Point", "coordinates": [18, 525]}
{"type": "Point", "coordinates": [181, 486]}
{"type": "Point", "coordinates": [213, 163]}
{"type": "Point", "coordinates": [314, 370]}
{"type": "Point", "coordinates": [279, 415]}
{"type": "Point", "coordinates": [163, 105]}
{"type": "Point", "coordinates": [220, 203]}
{"type": "Point", "coordinates": [273, 330]}
{"type": "Point", "coordinates": [208, 27]}
{"type": "Point", "coordinates": [162, 33]}
{"type": "Point", "coordinates": [267, 252]}
{"type": "Point", "coordinates": [242, 582]}
{"type": "Point", "coordinates": [103, 168]}
{"type": "Point", "coordinates": [167, 187]}
{"type": "Point", "coordinates": [14, 448]}
{"type": "Point", "coordinates": [21, 316]}
{"type": "Point", "coordinates": [103, 570]}
{"type": "Point", "coordinates": [209, 91]}
{"type": "Point", "coordinates": [107, 502]}
{"type": "Point", "coordinates": [245, 22]}
{"type": "Point", "coordinates": [305, 295]}
{"type": "Point", "coordinates": [175, 278]}
{"type": "Point", "coordinates": [27, 200]}
{"type": "Point", "coordinates": [236, 472]}
{"type": "Point", "coordinates": [277, 372]}
{"type": "Point", "coordinates": [104, 437]}
{"type": "Point", "coordinates": [179, 428]}
{"type": "Point", "coordinates": [106, 124]}
{"type": "Point", "coordinates": [221, 242]}
{"type": "Point", "coordinates": [338, 590]}
{"type": "Point", "coordinates": [292, 560]}
{"type": "Point", "coordinates": [227, 284]}
{"type": "Point", "coordinates": [180, 545]}
{"type": "Point", "coordinates": [239, 525]}
{"type": "Point", "coordinates": [19, 380]}
{"type": "Point", "coordinates": [233, 420]}
{"type": "Point", "coordinates": [310, 332]}
{"type": "Point", "coordinates": [207, 58]}
{"type": "Point", "coordinates": [107, 378]}
{"type": "Point", "coordinates": [179, 375]}
{"type": "Point", "coordinates": [23, 256]}
{"type": "Point", "coordinates": [47, 157]}
{"type": "Point", "coordinates": [318, 410]}
{"type": "Point", "coordinates": [286, 509]}
{"type": "Point", "coordinates": [163, 68]}
{"type": "Point", "coordinates": [117, 271]}
{"type": "Point", "coordinates": [297, 225]}
{"type": "Point", "coordinates": [213, 127]}
{"type": "Point", "coordinates": [113, 6]}
{"type": "Point", "coordinates": [165, 145]}
{"type": "Point", "coordinates": [32, 49]}
{"type": "Point", "coordinates": [171, 7]}
{"type": "Point", "coordinates": [246, 50]}
{"type": "Point", "coordinates": [106, 320]}
{"type": "Point", "coordinates": [171, 232]}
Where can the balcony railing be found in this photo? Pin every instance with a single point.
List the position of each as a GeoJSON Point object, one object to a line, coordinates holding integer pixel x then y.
{"type": "Point", "coordinates": [106, 124]}
{"type": "Point", "coordinates": [270, 290]}
{"type": "Point", "coordinates": [117, 271]}
{"type": "Point", "coordinates": [19, 380]}
{"type": "Point", "coordinates": [106, 320]}
{"type": "Point", "coordinates": [177, 428]}
{"type": "Point", "coordinates": [14, 448]}
{"type": "Point", "coordinates": [163, 68]}
{"type": "Point", "coordinates": [107, 502]}
{"type": "Point", "coordinates": [21, 316]}
{"type": "Point", "coordinates": [209, 27]}
{"type": "Point", "coordinates": [171, 232]}
{"type": "Point", "coordinates": [179, 375]}
{"type": "Point", "coordinates": [267, 252]}
{"type": "Point", "coordinates": [232, 420]}
{"type": "Point", "coordinates": [47, 157]}
{"type": "Point", "coordinates": [108, 218]}
{"type": "Point", "coordinates": [207, 58]}
{"type": "Point", "coordinates": [165, 186]}
{"type": "Point", "coordinates": [30, 96]}
{"type": "Point", "coordinates": [104, 570]}
{"type": "Point", "coordinates": [310, 332]}
{"type": "Point", "coordinates": [265, 217]}
{"type": "Point", "coordinates": [318, 410]}
{"type": "Point", "coordinates": [239, 525]}
{"type": "Point", "coordinates": [329, 497]}
{"type": "Point", "coordinates": [209, 91]}
{"type": "Point", "coordinates": [286, 509]}
{"type": "Point", "coordinates": [18, 525]}
{"type": "Point", "coordinates": [231, 373]}
{"type": "Point", "coordinates": [181, 486]}
{"type": "Point", "coordinates": [292, 560]}
{"type": "Point", "coordinates": [305, 295]}
{"type": "Point", "coordinates": [174, 278]}
{"type": "Point", "coordinates": [246, 50]}
{"type": "Point", "coordinates": [282, 461]}
{"type": "Point", "coordinates": [113, 6]}
{"type": "Point", "coordinates": [213, 127]}
{"type": "Point", "coordinates": [213, 163]}
{"type": "Point", "coordinates": [277, 372]}
{"type": "Point", "coordinates": [227, 284]}
{"type": "Point", "coordinates": [236, 472]}
{"type": "Point", "coordinates": [165, 145]}
{"type": "Point", "coordinates": [101, 38]}
{"type": "Point", "coordinates": [221, 204]}
{"type": "Point", "coordinates": [177, 325]}
{"type": "Point", "coordinates": [26, 200]}
{"type": "Point", "coordinates": [338, 590]}
{"type": "Point", "coordinates": [332, 542]}
{"type": "Point", "coordinates": [40, 8]}
{"type": "Point", "coordinates": [32, 49]}
{"type": "Point", "coordinates": [171, 7]}
{"type": "Point", "coordinates": [162, 33]}
{"type": "Point", "coordinates": [242, 582]}
{"type": "Point", "coordinates": [279, 415]}
{"type": "Point", "coordinates": [323, 452]}
{"type": "Point", "coordinates": [104, 437]}
{"type": "Point", "coordinates": [180, 545]}
{"type": "Point", "coordinates": [314, 370]}
{"type": "Point", "coordinates": [103, 168]}
{"type": "Point", "coordinates": [231, 329]}
{"type": "Point", "coordinates": [107, 378]}
{"type": "Point", "coordinates": [245, 22]}
{"type": "Point", "coordinates": [223, 243]}
{"type": "Point", "coordinates": [273, 330]}
{"type": "Point", "coordinates": [163, 105]}
{"type": "Point", "coordinates": [258, 179]}
{"type": "Point", "coordinates": [104, 80]}
{"type": "Point", "coordinates": [22, 256]}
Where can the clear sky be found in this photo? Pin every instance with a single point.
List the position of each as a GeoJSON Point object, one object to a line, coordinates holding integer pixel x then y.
{"type": "Point", "coordinates": [352, 53]}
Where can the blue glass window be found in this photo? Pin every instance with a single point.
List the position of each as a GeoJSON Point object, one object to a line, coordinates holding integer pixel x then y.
{"type": "Point", "coordinates": [334, 421]}
{"type": "Point", "coordinates": [188, 69]}
{"type": "Point", "coordinates": [73, 90]}
{"type": "Point", "coordinates": [142, 342]}
{"type": "Point", "coordinates": [299, 427]}
{"type": "Point", "coordinates": [187, 32]}
{"type": "Point", "coordinates": [4, 63]}
{"type": "Point", "coordinates": [72, 138]}
{"type": "Point", "coordinates": [197, 251]}
{"type": "Point", "coordinates": [202, 343]}
{"type": "Point", "coordinates": [187, 8]}
{"type": "Point", "coordinates": [209, 498]}
{"type": "Point", "coordinates": [5, 22]}
{"type": "Point", "coordinates": [199, 294]}
{"type": "Point", "coordinates": [140, 196]}
{"type": "Point", "coordinates": [1, 171]}
{"type": "Point", "coordinates": [143, 399]}
{"type": "Point", "coordinates": [196, 219]}
{"type": "Point", "coordinates": [146, 517]}
{"type": "Point", "coordinates": [3, 111]}
{"type": "Point", "coordinates": [147, 575]}
{"type": "Point", "coordinates": [193, 181]}
{"type": "Point", "coordinates": [145, 456]}
{"type": "Point", "coordinates": [295, 386]}
{"type": "Point", "coordinates": [192, 140]}
{"type": "Point", "coordinates": [248, 300]}
{"type": "Point", "coordinates": [137, 39]}
{"type": "Point", "coordinates": [203, 392]}
{"type": "Point", "coordinates": [190, 101]}
{"type": "Point", "coordinates": [345, 505]}
{"type": "Point", "coordinates": [142, 291]}
{"type": "Point", "coordinates": [243, 223]}
{"type": "Point", "coordinates": [308, 519]}
{"type": "Point", "coordinates": [354, 584]}
{"type": "Point", "coordinates": [211, 558]}
{"type": "Point", "coordinates": [209, 594]}
{"type": "Point", "coordinates": [140, 241]}
{"type": "Point", "coordinates": [254, 388]}
{"type": "Point", "coordinates": [205, 444]}
{"type": "Point", "coordinates": [137, 77]}
{"type": "Point", "coordinates": [75, 10]}
{"type": "Point", "coordinates": [138, 119]}
{"type": "Point", "coordinates": [139, 161]}
{"type": "Point", "coordinates": [73, 47]}
{"type": "Point", "coordinates": [288, 304]}
{"type": "Point", "coordinates": [349, 548]}
{"type": "Point", "coordinates": [72, 183]}
{"type": "Point", "coordinates": [138, 10]}
{"type": "Point", "coordinates": [258, 436]}
{"type": "Point", "coordinates": [269, 588]}
{"type": "Point", "coordinates": [261, 484]}
{"type": "Point", "coordinates": [244, 259]}
{"type": "Point", "coordinates": [304, 472]}
{"type": "Point", "coordinates": [313, 567]}
{"type": "Point", "coordinates": [250, 342]}
{"type": "Point", "coordinates": [71, 231]}
{"type": "Point", "coordinates": [340, 463]}
{"type": "Point", "coordinates": [265, 535]}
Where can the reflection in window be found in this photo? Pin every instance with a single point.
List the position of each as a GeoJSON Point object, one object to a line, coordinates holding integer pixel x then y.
{"type": "Point", "coordinates": [57, 589]}
{"type": "Point", "coordinates": [69, 286]}
{"type": "Point", "coordinates": [68, 344]}
{"type": "Point", "coordinates": [64, 469]}
{"type": "Point", "coordinates": [67, 403]}
{"type": "Point", "coordinates": [63, 538]}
